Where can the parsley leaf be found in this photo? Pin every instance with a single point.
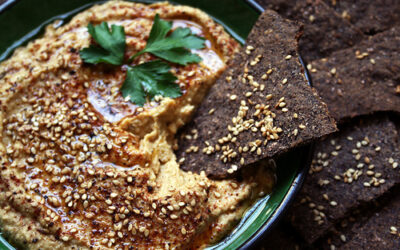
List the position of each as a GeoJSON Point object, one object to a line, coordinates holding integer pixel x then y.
{"type": "Point", "coordinates": [149, 79]}
{"type": "Point", "coordinates": [175, 47]}
{"type": "Point", "coordinates": [111, 47]}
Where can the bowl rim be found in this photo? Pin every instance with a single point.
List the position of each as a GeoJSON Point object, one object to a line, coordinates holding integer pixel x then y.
{"type": "Point", "coordinates": [8, 3]}
{"type": "Point", "coordinates": [282, 208]}
{"type": "Point", "coordinates": [297, 183]}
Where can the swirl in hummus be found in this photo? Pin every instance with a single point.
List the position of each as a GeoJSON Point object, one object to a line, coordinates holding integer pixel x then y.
{"type": "Point", "coordinates": [81, 167]}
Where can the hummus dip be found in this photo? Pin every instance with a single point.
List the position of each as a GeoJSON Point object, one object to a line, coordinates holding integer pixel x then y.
{"type": "Point", "coordinates": [82, 168]}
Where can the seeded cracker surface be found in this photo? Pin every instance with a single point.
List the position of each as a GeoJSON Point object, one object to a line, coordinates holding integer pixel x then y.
{"type": "Point", "coordinates": [363, 225]}
{"type": "Point", "coordinates": [369, 16]}
{"type": "Point", "coordinates": [368, 227]}
{"type": "Point", "coordinates": [83, 168]}
{"type": "Point", "coordinates": [324, 30]}
{"type": "Point", "coordinates": [387, 220]}
{"type": "Point", "coordinates": [260, 107]}
{"type": "Point", "coordinates": [352, 167]}
{"type": "Point", "coordinates": [362, 79]}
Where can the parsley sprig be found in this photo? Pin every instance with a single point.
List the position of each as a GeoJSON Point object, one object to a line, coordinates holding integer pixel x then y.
{"type": "Point", "coordinates": [151, 78]}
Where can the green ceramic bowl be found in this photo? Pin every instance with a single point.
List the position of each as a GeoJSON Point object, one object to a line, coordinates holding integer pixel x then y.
{"type": "Point", "coordinates": [23, 20]}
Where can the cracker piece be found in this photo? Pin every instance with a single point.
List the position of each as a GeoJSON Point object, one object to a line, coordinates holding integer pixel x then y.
{"type": "Point", "coordinates": [261, 107]}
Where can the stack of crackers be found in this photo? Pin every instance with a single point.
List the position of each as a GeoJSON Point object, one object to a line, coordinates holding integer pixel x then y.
{"type": "Point", "coordinates": [351, 197]}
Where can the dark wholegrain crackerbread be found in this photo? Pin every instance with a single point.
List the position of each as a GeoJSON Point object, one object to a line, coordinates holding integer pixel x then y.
{"type": "Point", "coordinates": [362, 79]}
{"type": "Point", "coordinates": [376, 225]}
{"type": "Point", "coordinates": [324, 30]}
{"type": "Point", "coordinates": [381, 231]}
{"type": "Point", "coordinates": [354, 166]}
{"type": "Point", "coordinates": [260, 107]}
{"type": "Point", "coordinates": [370, 16]}
{"type": "Point", "coordinates": [283, 237]}
{"type": "Point", "coordinates": [357, 230]}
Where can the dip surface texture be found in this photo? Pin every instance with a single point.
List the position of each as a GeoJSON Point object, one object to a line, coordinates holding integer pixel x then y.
{"type": "Point", "coordinates": [83, 168]}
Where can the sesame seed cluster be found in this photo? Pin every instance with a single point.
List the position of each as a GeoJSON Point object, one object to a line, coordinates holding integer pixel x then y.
{"type": "Point", "coordinates": [83, 168]}
{"type": "Point", "coordinates": [366, 73]}
{"type": "Point", "coordinates": [349, 169]}
{"type": "Point", "coordinates": [260, 107]}
{"type": "Point", "coordinates": [318, 16]}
